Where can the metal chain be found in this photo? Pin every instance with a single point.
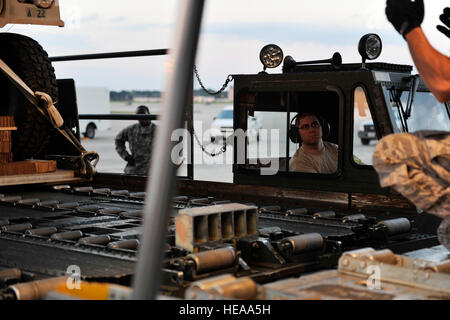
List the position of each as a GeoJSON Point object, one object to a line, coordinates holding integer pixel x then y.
{"type": "Point", "coordinates": [211, 154]}
{"type": "Point", "coordinates": [229, 78]}
{"type": "Point", "coordinates": [224, 86]}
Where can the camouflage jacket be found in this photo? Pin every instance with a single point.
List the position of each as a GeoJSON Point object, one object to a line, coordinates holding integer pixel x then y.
{"type": "Point", "coordinates": [140, 141]}
{"type": "Point", "coordinates": [417, 165]}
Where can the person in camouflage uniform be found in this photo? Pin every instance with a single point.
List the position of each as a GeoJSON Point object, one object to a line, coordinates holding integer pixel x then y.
{"type": "Point", "coordinates": [417, 165]}
{"type": "Point", "coordinates": [140, 140]}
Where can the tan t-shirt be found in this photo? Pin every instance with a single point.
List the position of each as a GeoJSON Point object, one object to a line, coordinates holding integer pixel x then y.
{"type": "Point", "coordinates": [324, 162]}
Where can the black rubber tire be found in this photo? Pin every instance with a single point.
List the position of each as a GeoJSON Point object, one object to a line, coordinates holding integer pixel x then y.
{"type": "Point", "coordinates": [365, 141]}
{"type": "Point", "coordinates": [90, 131]}
{"type": "Point", "coordinates": [30, 62]}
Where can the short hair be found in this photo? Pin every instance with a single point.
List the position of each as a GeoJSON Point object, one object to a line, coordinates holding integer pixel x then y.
{"type": "Point", "coordinates": [305, 114]}
{"type": "Point", "coordinates": [142, 109]}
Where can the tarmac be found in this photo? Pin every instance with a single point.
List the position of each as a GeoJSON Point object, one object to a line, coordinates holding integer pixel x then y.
{"type": "Point", "coordinates": [218, 168]}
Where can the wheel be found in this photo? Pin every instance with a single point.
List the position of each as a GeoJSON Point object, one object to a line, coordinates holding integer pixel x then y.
{"type": "Point", "coordinates": [365, 141]}
{"type": "Point", "coordinates": [30, 62]}
{"type": "Point", "coordinates": [90, 131]}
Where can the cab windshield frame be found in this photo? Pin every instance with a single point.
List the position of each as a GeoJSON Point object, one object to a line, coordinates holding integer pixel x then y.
{"type": "Point", "coordinates": [423, 105]}
{"type": "Point", "coordinates": [289, 106]}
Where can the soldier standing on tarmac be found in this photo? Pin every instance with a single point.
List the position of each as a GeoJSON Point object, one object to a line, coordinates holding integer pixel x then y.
{"type": "Point", "coordinates": [407, 16]}
{"type": "Point", "coordinates": [140, 140]}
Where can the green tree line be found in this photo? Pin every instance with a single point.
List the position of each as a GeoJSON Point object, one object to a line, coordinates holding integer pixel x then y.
{"type": "Point", "coordinates": [126, 95]}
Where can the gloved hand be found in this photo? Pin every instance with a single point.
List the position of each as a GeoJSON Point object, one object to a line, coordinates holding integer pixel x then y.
{"type": "Point", "coordinates": [445, 18]}
{"type": "Point", "coordinates": [130, 160]}
{"type": "Point", "coordinates": [405, 15]}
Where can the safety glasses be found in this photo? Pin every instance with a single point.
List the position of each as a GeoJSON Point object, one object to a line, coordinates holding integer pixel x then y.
{"type": "Point", "coordinates": [314, 125]}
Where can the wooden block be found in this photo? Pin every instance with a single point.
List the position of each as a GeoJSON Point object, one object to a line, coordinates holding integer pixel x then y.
{"type": "Point", "coordinates": [59, 176]}
{"type": "Point", "coordinates": [6, 157]}
{"type": "Point", "coordinates": [27, 167]}
{"type": "Point", "coordinates": [5, 135]}
{"type": "Point", "coordinates": [6, 125]}
{"type": "Point", "coordinates": [7, 121]}
{"type": "Point", "coordinates": [5, 147]}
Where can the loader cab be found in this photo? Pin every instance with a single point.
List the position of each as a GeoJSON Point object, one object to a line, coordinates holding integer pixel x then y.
{"type": "Point", "coordinates": [346, 96]}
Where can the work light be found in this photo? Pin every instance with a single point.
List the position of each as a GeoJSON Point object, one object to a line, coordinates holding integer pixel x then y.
{"type": "Point", "coordinates": [271, 56]}
{"type": "Point", "coordinates": [369, 47]}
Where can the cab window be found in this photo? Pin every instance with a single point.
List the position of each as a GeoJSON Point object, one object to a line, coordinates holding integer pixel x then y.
{"type": "Point", "coordinates": [364, 134]}
{"type": "Point", "coordinates": [271, 143]}
{"type": "Point", "coordinates": [279, 115]}
{"type": "Point", "coordinates": [426, 113]}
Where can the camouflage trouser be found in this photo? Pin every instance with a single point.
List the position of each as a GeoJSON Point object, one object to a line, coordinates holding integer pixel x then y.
{"type": "Point", "coordinates": [140, 169]}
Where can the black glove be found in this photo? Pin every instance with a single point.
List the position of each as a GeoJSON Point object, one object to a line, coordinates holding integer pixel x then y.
{"type": "Point", "coordinates": [130, 160]}
{"type": "Point", "coordinates": [445, 18]}
{"type": "Point", "coordinates": [405, 15]}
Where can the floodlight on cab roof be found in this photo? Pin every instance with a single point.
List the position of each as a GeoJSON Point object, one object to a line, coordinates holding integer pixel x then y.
{"type": "Point", "coordinates": [271, 56]}
{"type": "Point", "coordinates": [370, 46]}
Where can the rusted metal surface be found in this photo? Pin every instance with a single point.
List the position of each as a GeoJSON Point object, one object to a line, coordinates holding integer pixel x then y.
{"type": "Point", "coordinates": [99, 218]}
{"type": "Point", "coordinates": [323, 285]}
{"type": "Point", "coordinates": [197, 226]}
{"type": "Point", "coordinates": [211, 260]}
{"type": "Point", "coordinates": [397, 269]}
{"type": "Point", "coordinates": [396, 226]}
{"type": "Point", "coordinates": [382, 202]}
{"type": "Point", "coordinates": [264, 194]}
{"type": "Point", "coordinates": [399, 277]}
{"type": "Point", "coordinates": [223, 287]}
{"type": "Point", "coordinates": [46, 258]}
{"type": "Point", "coordinates": [268, 194]}
{"type": "Point", "coordinates": [304, 242]}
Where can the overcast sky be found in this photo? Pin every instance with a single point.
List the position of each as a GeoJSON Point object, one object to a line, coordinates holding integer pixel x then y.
{"type": "Point", "coordinates": [233, 32]}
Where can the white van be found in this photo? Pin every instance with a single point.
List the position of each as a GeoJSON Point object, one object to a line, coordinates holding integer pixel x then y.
{"type": "Point", "coordinates": [93, 100]}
